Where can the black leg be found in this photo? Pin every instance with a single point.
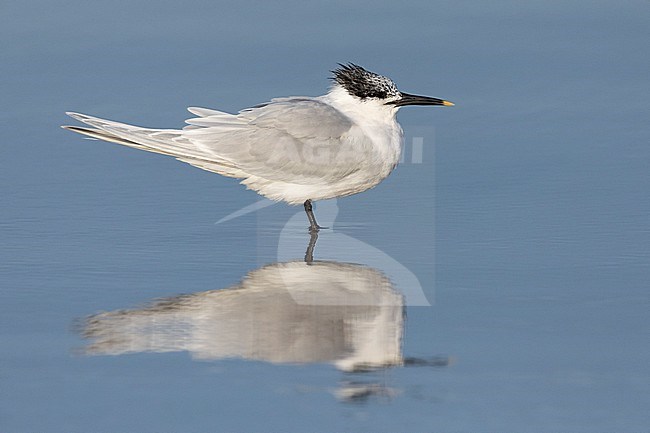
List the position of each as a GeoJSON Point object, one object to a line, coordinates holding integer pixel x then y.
{"type": "Point", "coordinates": [313, 225]}
{"type": "Point", "coordinates": [309, 254]}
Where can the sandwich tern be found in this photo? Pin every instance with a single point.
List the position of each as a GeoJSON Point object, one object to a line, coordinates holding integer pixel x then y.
{"type": "Point", "coordinates": [294, 149]}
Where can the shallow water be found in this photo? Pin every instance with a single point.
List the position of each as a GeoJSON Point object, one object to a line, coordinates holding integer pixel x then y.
{"type": "Point", "coordinates": [125, 306]}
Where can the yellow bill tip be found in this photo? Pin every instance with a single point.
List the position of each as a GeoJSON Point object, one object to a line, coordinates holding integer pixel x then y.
{"type": "Point", "coordinates": [448, 103]}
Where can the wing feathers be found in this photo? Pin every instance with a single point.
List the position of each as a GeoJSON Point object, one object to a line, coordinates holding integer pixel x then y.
{"type": "Point", "coordinates": [297, 143]}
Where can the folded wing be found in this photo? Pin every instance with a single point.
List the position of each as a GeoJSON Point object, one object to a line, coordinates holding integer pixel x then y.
{"type": "Point", "coordinates": [299, 140]}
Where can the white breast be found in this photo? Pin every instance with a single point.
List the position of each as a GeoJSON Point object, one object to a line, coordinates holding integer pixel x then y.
{"type": "Point", "coordinates": [376, 124]}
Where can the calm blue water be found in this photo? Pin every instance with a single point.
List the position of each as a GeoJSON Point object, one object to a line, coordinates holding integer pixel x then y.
{"type": "Point", "coordinates": [526, 226]}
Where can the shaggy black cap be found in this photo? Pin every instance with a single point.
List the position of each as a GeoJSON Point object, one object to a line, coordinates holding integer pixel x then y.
{"type": "Point", "coordinates": [364, 84]}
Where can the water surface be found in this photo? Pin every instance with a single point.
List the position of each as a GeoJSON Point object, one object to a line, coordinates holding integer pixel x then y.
{"type": "Point", "coordinates": [525, 226]}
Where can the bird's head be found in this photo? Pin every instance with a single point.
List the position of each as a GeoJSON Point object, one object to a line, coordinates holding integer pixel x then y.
{"type": "Point", "coordinates": [365, 85]}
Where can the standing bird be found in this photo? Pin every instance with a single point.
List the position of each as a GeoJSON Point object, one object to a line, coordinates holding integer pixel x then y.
{"type": "Point", "coordinates": [294, 149]}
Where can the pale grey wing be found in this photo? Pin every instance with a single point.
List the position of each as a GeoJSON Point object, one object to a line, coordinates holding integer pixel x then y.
{"type": "Point", "coordinates": [296, 140]}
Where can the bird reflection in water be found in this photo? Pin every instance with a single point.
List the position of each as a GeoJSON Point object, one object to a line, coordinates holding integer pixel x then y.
{"type": "Point", "coordinates": [307, 311]}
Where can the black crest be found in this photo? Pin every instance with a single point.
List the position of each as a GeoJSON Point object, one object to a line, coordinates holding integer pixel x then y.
{"type": "Point", "coordinates": [364, 84]}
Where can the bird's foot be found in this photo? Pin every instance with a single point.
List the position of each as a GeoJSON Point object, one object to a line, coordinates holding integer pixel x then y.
{"type": "Point", "coordinates": [316, 228]}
